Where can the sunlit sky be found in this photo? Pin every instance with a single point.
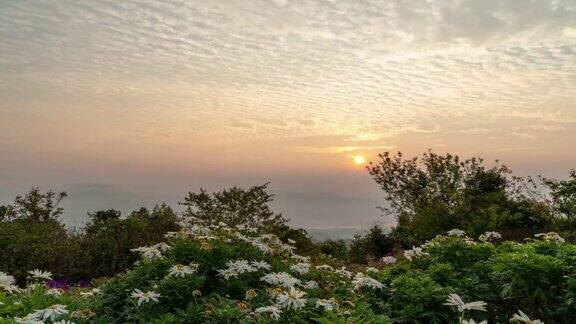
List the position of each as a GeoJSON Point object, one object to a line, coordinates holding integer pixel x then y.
{"type": "Point", "coordinates": [128, 103]}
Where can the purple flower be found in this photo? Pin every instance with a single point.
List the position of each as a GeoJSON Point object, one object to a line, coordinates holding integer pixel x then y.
{"type": "Point", "coordinates": [59, 284]}
{"type": "Point", "coordinates": [84, 283]}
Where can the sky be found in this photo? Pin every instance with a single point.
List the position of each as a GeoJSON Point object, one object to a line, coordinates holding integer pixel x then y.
{"type": "Point", "coordinates": [128, 103]}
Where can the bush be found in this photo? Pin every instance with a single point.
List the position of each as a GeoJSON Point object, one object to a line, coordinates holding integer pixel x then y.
{"type": "Point", "coordinates": [222, 274]}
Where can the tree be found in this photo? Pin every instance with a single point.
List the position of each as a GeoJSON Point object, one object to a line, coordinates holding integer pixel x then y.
{"type": "Point", "coordinates": [37, 206]}
{"type": "Point", "coordinates": [374, 244]}
{"type": "Point", "coordinates": [5, 212]}
{"type": "Point", "coordinates": [104, 216]}
{"type": "Point", "coordinates": [563, 193]}
{"type": "Point", "coordinates": [435, 193]}
{"type": "Point", "coordinates": [233, 206]}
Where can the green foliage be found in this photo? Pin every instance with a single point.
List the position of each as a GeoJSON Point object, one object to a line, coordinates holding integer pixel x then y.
{"type": "Point", "coordinates": [233, 206]}
{"type": "Point", "coordinates": [370, 246]}
{"type": "Point", "coordinates": [237, 206]}
{"type": "Point", "coordinates": [537, 277]}
{"type": "Point", "coordinates": [563, 193]}
{"type": "Point", "coordinates": [435, 193]}
{"type": "Point", "coordinates": [34, 206]}
{"type": "Point", "coordinates": [33, 237]}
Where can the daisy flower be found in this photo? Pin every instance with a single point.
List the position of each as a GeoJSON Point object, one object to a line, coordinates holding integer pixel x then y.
{"type": "Point", "coordinates": [262, 265]}
{"type": "Point", "coordinates": [300, 268]}
{"type": "Point", "coordinates": [456, 232]}
{"type": "Point", "coordinates": [250, 294]}
{"type": "Point", "coordinates": [344, 272]}
{"type": "Point", "coordinates": [39, 274]}
{"type": "Point", "coordinates": [292, 299]}
{"type": "Point", "coordinates": [148, 252]}
{"type": "Point", "coordinates": [521, 317]}
{"type": "Point", "coordinates": [324, 267]}
{"type": "Point", "coordinates": [361, 280]}
{"type": "Point", "coordinates": [227, 273]}
{"type": "Point", "coordinates": [414, 253]}
{"type": "Point", "coordinates": [53, 292]}
{"type": "Point", "coordinates": [180, 270]}
{"type": "Point", "coordinates": [372, 269]}
{"type": "Point", "coordinates": [281, 278]}
{"type": "Point", "coordinates": [272, 310]}
{"type": "Point", "coordinates": [51, 312]}
{"type": "Point", "coordinates": [326, 304]}
{"type": "Point", "coordinates": [456, 301]}
{"type": "Point", "coordinates": [145, 297]}
{"type": "Point", "coordinates": [241, 266]}
{"type": "Point", "coordinates": [471, 321]}
{"type": "Point", "coordinates": [6, 281]}
{"type": "Point", "coordinates": [310, 284]}
{"type": "Point", "coordinates": [550, 236]}
{"type": "Point", "coordinates": [28, 319]}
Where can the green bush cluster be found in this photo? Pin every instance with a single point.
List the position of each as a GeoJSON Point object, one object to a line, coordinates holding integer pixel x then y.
{"type": "Point", "coordinates": [537, 277]}
{"type": "Point", "coordinates": [31, 236]}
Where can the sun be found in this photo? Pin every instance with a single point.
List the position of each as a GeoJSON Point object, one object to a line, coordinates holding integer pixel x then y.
{"type": "Point", "coordinates": [359, 160]}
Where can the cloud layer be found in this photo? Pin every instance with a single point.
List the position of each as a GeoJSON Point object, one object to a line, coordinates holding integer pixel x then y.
{"type": "Point", "coordinates": [284, 83]}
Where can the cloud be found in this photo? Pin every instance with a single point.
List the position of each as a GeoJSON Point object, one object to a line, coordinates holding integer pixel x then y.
{"type": "Point", "coordinates": [154, 82]}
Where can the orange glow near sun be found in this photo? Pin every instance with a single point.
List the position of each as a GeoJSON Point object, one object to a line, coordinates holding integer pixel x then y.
{"type": "Point", "coordinates": [359, 160]}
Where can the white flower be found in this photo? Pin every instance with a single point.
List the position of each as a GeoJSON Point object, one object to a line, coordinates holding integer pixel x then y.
{"type": "Point", "coordinates": [456, 232]}
{"type": "Point", "coordinates": [39, 274]}
{"type": "Point", "coordinates": [96, 291]}
{"type": "Point", "coordinates": [301, 259]}
{"type": "Point", "coordinates": [523, 318]}
{"type": "Point", "coordinates": [289, 249]}
{"type": "Point", "coordinates": [344, 272]}
{"type": "Point", "coordinates": [291, 241]}
{"type": "Point", "coordinates": [87, 294]}
{"type": "Point", "coordinates": [262, 247]}
{"type": "Point", "coordinates": [455, 300]}
{"type": "Point", "coordinates": [300, 268]}
{"type": "Point", "coordinates": [281, 278]}
{"type": "Point", "coordinates": [29, 319]}
{"type": "Point", "coordinates": [163, 247]}
{"type": "Point", "coordinates": [310, 284]}
{"type": "Point", "coordinates": [180, 270]}
{"type": "Point", "coordinates": [326, 304]}
{"type": "Point", "coordinates": [53, 292]}
{"type": "Point", "coordinates": [471, 321]}
{"type": "Point", "coordinates": [489, 235]}
{"type": "Point", "coordinates": [198, 230]}
{"type": "Point", "coordinates": [149, 252]}
{"type": "Point", "coordinates": [262, 265]}
{"type": "Point", "coordinates": [51, 312]}
{"type": "Point", "coordinates": [325, 267]}
{"type": "Point", "coordinates": [372, 269]}
{"type": "Point", "coordinates": [551, 236]}
{"type": "Point", "coordinates": [414, 253]}
{"type": "Point", "coordinates": [227, 273]}
{"type": "Point", "coordinates": [272, 310]}
{"type": "Point", "coordinates": [388, 260]}
{"type": "Point", "coordinates": [292, 299]}
{"type": "Point", "coordinates": [146, 297]}
{"type": "Point", "coordinates": [241, 266]}
{"type": "Point", "coordinates": [63, 322]}
{"type": "Point", "coordinates": [361, 280]}
{"type": "Point", "coordinates": [7, 282]}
